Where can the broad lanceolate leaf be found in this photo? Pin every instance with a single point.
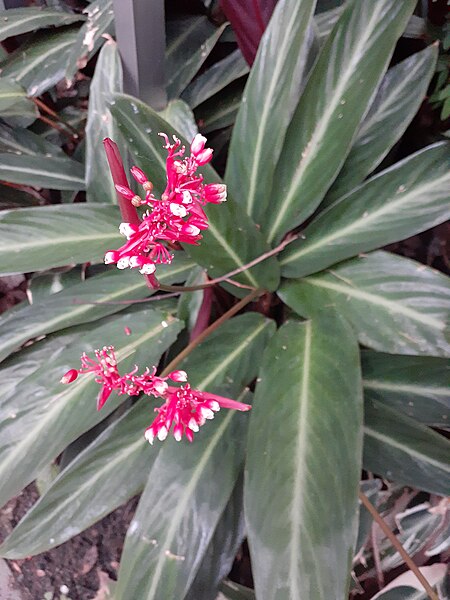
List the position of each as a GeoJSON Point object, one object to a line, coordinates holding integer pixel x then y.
{"type": "Point", "coordinates": [404, 451]}
{"type": "Point", "coordinates": [215, 78]}
{"type": "Point", "coordinates": [106, 81]}
{"type": "Point", "coordinates": [13, 100]}
{"type": "Point", "coordinates": [182, 504]}
{"type": "Point", "coordinates": [190, 40]}
{"type": "Point", "coordinates": [416, 385]}
{"type": "Point", "coordinates": [33, 239]}
{"type": "Point", "coordinates": [336, 97]}
{"type": "Point", "coordinates": [40, 63]}
{"type": "Point", "coordinates": [272, 91]}
{"type": "Point", "coordinates": [15, 21]}
{"type": "Point", "coordinates": [398, 99]}
{"type": "Point", "coordinates": [220, 111]}
{"type": "Point", "coordinates": [181, 117]}
{"type": "Point", "coordinates": [325, 21]}
{"type": "Point", "coordinates": [410, 197]}
{"type": "Point", "coordinates": [394, 304]}
{"type": "Point", "coordinates": [232, 239]}
{"type": "Point", "coordinates": [17, 140]}
{"type": "Point", "coordinates": [54, 172]}
{"type": "Point", "coordinates": [100, 18]}
{"type": "Point", "coordinates": [40, 416]}
{"type": "Point", "coordinates": [304, 461]}
{"type": "Point", "coordinates": [85, 302]}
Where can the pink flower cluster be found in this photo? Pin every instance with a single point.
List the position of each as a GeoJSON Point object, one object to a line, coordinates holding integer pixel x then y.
{"type": "Point", "coordinates": [184, 409]}
{"type": "Point", "coordinates": [177, 216]}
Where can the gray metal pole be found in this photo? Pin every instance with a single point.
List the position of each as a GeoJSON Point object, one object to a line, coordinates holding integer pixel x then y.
{"type": "Point", "coordinates": [4, 4]}
{"type": "Point", "coordinates": [140, 34]}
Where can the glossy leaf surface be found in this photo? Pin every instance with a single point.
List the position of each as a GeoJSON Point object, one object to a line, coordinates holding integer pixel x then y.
{"type": "Point", "coordinates": [16, 21]}
{"type": "Point", "coordinates": [220, 111]}
{"type": "Point", "coordinates": [232, 239]}
{"type": "Point", "coordinates": [13, 100]}
{"type": "Point", "coordinates": [85, 302]}
{"type": "Point", "coordinates": [180, 508]}
{"type": "Point", "coordinates": [181, 118]}
{"type": "Point", "coordinates": [270, 96]}
{"type": "Point", "coordinates": [18, 140]}
{"type": "Point", "coordinates": [394, 304]}
{"type": "Point", "coordinates": [335, 99]}
{"type": "Point", "coordinates": [306, 426]}
{"type": "Point", "coordinates": [33, 239]}
{"type": "Point", "coordinates": [34, 432]}
{"type": "Point", "coordinates": [409, 197]}
{"type": "Point", "coordinates": [418, 386]}
{"type": "Point", "coordinates": [106, 81]}
{"type": "Point", "coordinates": [397, 100]}
{"type": "Point", "coordinates": [54, 172]}
{"type": "Point", "coordinates": [402, 450]}
{"type": "Point", "coordinates": [40, 63]}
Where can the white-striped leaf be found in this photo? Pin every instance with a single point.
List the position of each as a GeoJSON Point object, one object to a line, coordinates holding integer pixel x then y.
{"type": "Point", "coordinates": [306, 425]}
{"type": "Point", "coordinates": [13, 100]}
{"type": "Point", "coordinates": [270, 96]}
{"type": "Point", "coordinates": [15, 21]}
{"type": "Point", "coordinates": [54, 172]}
{"type": "Point", "coordinates": [394, 304]}
{"type": "Point", "coordinates": [335, 99]}
{"type": "Point", "coordinates": [409, 197]}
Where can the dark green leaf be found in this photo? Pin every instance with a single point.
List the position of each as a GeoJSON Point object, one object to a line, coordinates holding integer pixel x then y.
{"type": "Point", "coordinates": [18, 141]}
{"type": "Point", "coordinates": [40, 416]}
{"type": "Point", "coordinates": [416, 385]}
{"type": "Point", "coordinates": [409, 197]}
{"type": "Point", "coordinates": [306, 425]}
{"type": "Point", "coordinates": [54, 172]}
{"type": "Point", "coordinates": [181, 505]}
{"type": "Point", "coordinates": [221, 110]}
{"type": "Point", "coordinates": [181, 118]}
{"type": "Point", "coordinates": [190, 40]}
{"type": "Point", "coordinates": [272, 91]}
{"type": "Point", "coordinates": [402, 450]}
{"type": "Point", "coordinates": [394, 304]}
{"type": "Point", "coordinates": [83, 303]}
{"type": "Point", "coordinates": [335, 99]}
{"type": "Point", "coordinates": [33, 239]}
{"type": "Point", "coordinates": [216, 78]}
{"type": "Point", "coordinates": [13, 100]}
{"type": "Point", "coordinates": [106, 81]}
{"type": "Point", "coordinates": [232, 239]}
{"type": "Point", "coordinates": [15, 21]}
{"type": "Point", "coordinates": [398, 99]}
{"type": "Point", "coordinates": [41, 62]}
{"type": "Point", "coordinates": [326, 20]}
{"type": "Point", "coordinates": [100, 21]}
{"type": "Point", "coordinates": [231, 590]}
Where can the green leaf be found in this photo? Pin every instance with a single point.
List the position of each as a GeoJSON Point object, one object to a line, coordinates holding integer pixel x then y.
{"type": "Point", "coordinates": [106, 81]}
{"type": "Point", "coordinates": [33, 433]}
{"type": "Point", "coordinates": [216, 78]}
{"type": "Point", "coordinates": [85, 302]}
{"type": "Point", "coordinates": [18, 140]}
{"type": "Point", "coordinates": [402, 450]}
{"type": "Point", "coordinates": [232, 239]}
{"type": "Point", "coordinates": [270, 96]}
{"type": "Point", "coordinates": [181, 505]}
{"type": "Point", "coordinates": [305, 425]}
{"type": "Point", "coordinates": [13, 100]}
{"type": "Point", "coordinates": [222, 549]}
{"type": "Point", "coordinates": [15, 21]}
{"type": "Point", "coordinates": [397, 101]}
{"type": "Point", "coordinates": [394, 304]}
{"type": "Point", "coordinates": [33, 239]}
{"type": "Point", "coordinates": [181, 117]}
{"type": "Point", "coordinates": [54, 172]}
{"type": "Point", "coordinates": [41, 62]}
{"type": "Point", "coordinates": [418, 386]}
{"type": "Point", "coordinates": [335, 99]}
{"type": "Point", "coordinates": [231, 590]}
{"type": "Point", "coordinates": [220, 111]}
{"type": "Point", "coordinates": [100, 21]}
{"type": "Point", "coordinates": [190, 40]}
{"type": "Point", "coordinates": [409, 197]}
{"type": "Point", "coordinates": [326, 20]}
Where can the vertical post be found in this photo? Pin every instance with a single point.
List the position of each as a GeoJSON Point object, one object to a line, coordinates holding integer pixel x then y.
{"type": "Point", "coordinates": [4, 4]}
{"type": "Point", "coordinates": [140, 34]}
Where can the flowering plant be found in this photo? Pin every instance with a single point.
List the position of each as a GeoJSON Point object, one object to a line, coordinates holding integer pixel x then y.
{"type": "Point", "coordinates": [277, 299]}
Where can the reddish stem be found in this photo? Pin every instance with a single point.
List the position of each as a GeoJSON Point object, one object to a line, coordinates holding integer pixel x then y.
{"type": "Point", "coordinates": [204, 314]}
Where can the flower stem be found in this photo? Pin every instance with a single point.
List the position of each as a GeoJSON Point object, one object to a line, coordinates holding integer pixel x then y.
{"type": "Point", "coordinates": [232, 311]}
{"type": "Point", "coordinates": [397, 545]}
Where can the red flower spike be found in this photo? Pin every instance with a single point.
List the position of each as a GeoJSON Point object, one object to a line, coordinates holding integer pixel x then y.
{"type": "Point", "coordinates": [184, 410]}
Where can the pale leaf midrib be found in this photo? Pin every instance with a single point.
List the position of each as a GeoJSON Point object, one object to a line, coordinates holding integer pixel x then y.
{"type": "Point", "coordinates": [378, 301]}
{"type": "Point", "coordinates": [39, 59]}
{"type": "Point", "coordinates": [374, 384]}
{"type": "Point", "coordinates": [44, 173]}
{"type": "Point", "coordinates": [62, 241]}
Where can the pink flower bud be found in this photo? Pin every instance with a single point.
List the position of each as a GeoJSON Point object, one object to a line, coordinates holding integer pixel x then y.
{"type": "Point", "coordinates": [178, 376]}
{"type": "Point", "coordinates": [139, 175]}
{"type": "Point", "coordinates": [111, 257]}
{"type": "Point", "coordinates": [204, 157]}
{"type": "Point", "coordinates": [198, 143]}
{"type": "Point", "coordinates": [70, 376]}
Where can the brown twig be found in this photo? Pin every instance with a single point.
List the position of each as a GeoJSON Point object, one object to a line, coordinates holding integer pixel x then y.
{"type": "Point", "coordinates": [397, 545]}
{"type": "Point", "coordinates": [232, 311]}
{"type": "Point", "coordinates": [55, 126]}
{"type": "Point", "coordinates": [55, 115]}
